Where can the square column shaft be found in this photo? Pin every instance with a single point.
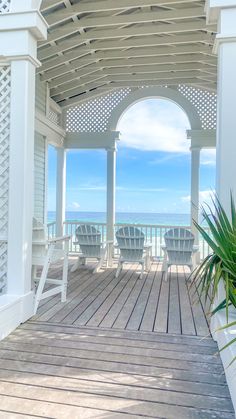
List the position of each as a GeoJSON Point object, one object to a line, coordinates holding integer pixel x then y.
{"type": "Point", "coordinates": [61, 191]}
{"type": "Point", "coordinates": [111, 185]}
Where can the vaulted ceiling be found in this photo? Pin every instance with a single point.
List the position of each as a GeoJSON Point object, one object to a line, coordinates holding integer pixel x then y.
{"type": "Point", "coordinates": [95, 46]}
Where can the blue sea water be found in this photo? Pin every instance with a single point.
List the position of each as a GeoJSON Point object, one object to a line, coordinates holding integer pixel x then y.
{"type": "Point", "coordinates": [127, 217]}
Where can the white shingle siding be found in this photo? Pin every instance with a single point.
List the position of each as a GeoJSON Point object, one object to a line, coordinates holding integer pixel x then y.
{"type": "Point", "coordinates": [39, 177]}
{"type": "Point", "coordinates": [41, 95]}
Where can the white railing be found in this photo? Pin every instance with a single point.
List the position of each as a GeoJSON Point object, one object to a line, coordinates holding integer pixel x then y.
{"type": "Point", "coordinates": [51, 227]}
{"type": "Point", "coordinates": [154, 235]}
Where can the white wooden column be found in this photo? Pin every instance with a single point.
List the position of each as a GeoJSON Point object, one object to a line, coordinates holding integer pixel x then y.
{"type": "Point", "coordinates": [111, 185]}
{"type": "Point", "coordinates": [195, 171]}
{"type": "Point", "coordinates": [223, 12]}
{"type": "Point", "coordinates": [18, 49]}
{"type": "Point", "coordinates": [61, 191]}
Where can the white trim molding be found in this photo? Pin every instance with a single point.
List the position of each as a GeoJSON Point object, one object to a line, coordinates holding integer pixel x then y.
{"type": "Point", "coordinates": [91, 140]}
{"type": "Point", "coordinates": [204, 138]}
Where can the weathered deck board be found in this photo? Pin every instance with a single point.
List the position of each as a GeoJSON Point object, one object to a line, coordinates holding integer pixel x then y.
{"type": "Point", "coordinates": [150, 304]}
{"type": "Point", "coordinates": [100, 354]}
{"type": "Point", "coordinates": [119, 375]}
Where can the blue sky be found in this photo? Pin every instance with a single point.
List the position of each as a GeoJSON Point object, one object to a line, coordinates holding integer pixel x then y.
{"type": "Point", "coordinates": [153, 165]}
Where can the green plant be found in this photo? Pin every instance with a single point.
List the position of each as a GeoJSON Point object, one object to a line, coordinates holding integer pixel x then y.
{"type": "Point", "coordinates": [220, 265]}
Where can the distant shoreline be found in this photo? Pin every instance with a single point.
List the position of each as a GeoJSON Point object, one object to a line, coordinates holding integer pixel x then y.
{"type": "Point", "coordinates": [149, 218]}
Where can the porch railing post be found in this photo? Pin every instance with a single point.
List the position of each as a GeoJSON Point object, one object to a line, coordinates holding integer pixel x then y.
{"type": "Point", "coordinates": [195, 171]}
{"type": "Point", "coordinates": [111, 185]}
{"type": "Point", "coordinates": [60, 190]}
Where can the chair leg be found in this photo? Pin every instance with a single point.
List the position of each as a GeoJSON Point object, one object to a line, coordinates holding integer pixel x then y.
{"type": "Point", "coordinates": [147, 261]}
{"type": "Point", "coordinates": [165, 267]}
{"type": "Point", "coordinates": [64, 277]}
{"type": "Point", "coordinates": [41, 284]}
{"type": "Point", "coordinates": [141, 275]}
{"type": "Point", "coordinates": [76, 265]}
{"type": "Point", "coordinates": [119, 269]}
{"type": "Point", "coordinates": [98, 266]}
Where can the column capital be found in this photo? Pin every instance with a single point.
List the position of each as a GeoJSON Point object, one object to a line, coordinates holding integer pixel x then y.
{"type": "Point", "coordinates": [222, 13]}
{"type": "Point", "coordinates": [112, 148]}
{"type": "Point", "coordinates": [214, 7]}
{"type": "Point", "coordinates": [19, 33]}
{"type": "Point", "coordinates": [195, 148]}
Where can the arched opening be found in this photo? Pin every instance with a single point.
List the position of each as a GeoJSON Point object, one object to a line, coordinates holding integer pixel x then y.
{"type": "Point", "coordinates": [153, 163]}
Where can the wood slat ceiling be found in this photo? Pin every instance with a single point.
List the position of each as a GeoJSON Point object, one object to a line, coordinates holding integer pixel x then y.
{"type": "Point", "coordinates": [100, 45]}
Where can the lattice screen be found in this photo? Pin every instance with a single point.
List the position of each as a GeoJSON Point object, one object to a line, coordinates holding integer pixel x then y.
{"type": "Point", "coordinates": [5, 6]}
{"type": "Point", "coordinates": [5, 86]}
{"type": "Point", "coordinates": [205, 102]}
{"type": "Point", "coordinates": [93, 115]}
{"type": "Point", "coordinates": [54, 117]}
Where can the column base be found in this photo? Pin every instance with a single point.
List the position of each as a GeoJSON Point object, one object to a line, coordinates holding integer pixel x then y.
{"type": "Point", "coordinates": [14, 310]}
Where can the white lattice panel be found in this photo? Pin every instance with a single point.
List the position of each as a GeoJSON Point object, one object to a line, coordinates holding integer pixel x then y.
{"type": "Point", "coordinates": [54, 117]}
{"type": "Point", "coordinates": [5, 86]}
{"type": "Point", "coordinates": [5, 6]}
{"type": "Point", "coordinates": [205, 102]}
{"type": "Point", "coordinates": [93, 116]}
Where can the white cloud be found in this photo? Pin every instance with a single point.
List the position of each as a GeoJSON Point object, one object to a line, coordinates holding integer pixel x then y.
{"type": "Point", "coordinates": [123, 188]}
{"type": "Point", "coordinates": [208, 157]}
{"type": "Point", "coordinates": [155, 125]}
{"type": "Point", "coordinates": [205, 197]}
{"type": "Point", "coordinates": [75, 205]}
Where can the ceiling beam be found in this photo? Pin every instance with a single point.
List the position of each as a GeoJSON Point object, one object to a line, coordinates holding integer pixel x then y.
{"type": "Point", "coordinates": [120, 20]}
{"type": "Point", "coordinates": [147, 41]}
{"type": "Point", "coordinates": [69, 83]}
{"type": "Point", "coordinates": [140, 78]}
{"type": "Point", "coordinates": [136, 30]}
{"type": "Point", "coordinates": [103, 6]}
{"type": "Point", "coordinates": [119, 85]}
{"type": "Point", "coordinates": [136, 61]}
{"type": "Point", "coordinates": [120, 55]}
{"type": "Point", "coordinates": [74, 66]}
{"type": "Point", "coordinates": [86, 87]}
{"type": "Point", "coordinates": [85, 97]}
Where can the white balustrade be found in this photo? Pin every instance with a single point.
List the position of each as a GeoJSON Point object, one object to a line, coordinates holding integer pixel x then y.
{"type": "Point", "coordinates": [154, 235]}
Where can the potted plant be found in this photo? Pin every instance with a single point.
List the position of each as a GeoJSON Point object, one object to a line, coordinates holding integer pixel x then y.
{"type": "Point", "coordinates": [218, 270]}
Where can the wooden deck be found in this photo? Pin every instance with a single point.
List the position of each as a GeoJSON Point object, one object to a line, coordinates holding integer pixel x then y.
{"type": "Point", "coordinates": [129, 303]}
{"type": "Point", "coordinates": [123, 348]}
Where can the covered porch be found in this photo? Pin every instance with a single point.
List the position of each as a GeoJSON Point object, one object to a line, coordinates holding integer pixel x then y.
{"type": "Point", "coordinates": [68, 71]}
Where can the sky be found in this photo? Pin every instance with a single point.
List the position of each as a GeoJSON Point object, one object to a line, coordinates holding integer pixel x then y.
{"type": "Point", "coordinates": [153, 165]}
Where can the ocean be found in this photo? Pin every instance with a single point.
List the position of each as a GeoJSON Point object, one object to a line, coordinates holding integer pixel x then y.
{"type": "Point", "coordinates": [127, 217]}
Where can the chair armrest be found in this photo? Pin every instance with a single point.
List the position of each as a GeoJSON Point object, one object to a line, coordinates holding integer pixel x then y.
{"type": "Point", "coordinates": [59, 239]}
{"type": "Point", "coordinates": [147, 246]}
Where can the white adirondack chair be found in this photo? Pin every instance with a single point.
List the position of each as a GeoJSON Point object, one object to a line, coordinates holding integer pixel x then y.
{"type": "Point", "coordinates": [130, 241]}
{"type": "Point", "coordinates": [91, 246]}
{"type": "Point", "coordinates": [44, 253]}
{"type": "Point", "coordinates": [179, 249]}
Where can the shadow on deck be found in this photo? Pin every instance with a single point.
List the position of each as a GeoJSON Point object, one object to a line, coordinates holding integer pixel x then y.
{"type": "Point", "coordinates": [118, 348]}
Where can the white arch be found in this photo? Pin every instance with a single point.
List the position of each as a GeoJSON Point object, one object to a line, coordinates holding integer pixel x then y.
{"type": "Point", "coordinates": [155, 92]}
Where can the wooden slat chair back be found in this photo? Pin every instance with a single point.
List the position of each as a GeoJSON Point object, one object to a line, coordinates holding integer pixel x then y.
{"type": "Point", "coordinates": [90, 242]}
{"type": "Point", "coordinates": [179, 248]}
{"type": "Point", "coordinates": [130, 241]}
